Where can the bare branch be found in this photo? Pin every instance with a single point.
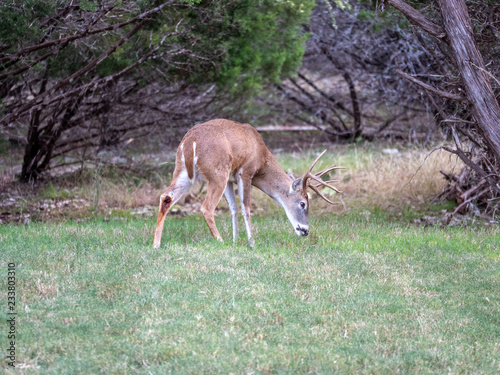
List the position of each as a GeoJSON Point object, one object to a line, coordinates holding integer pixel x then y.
{"type": "Point", "coordinates": [417, 18]}
{"type": "Point", "coordinates": [39, 100]}
{"type": "Point", "coordinates": [12, 73]}
{"type": "Point", "coordinates": [25, 51]}
{"type": "Point", "coordinates": [474, 166]}
{"type": "Point", "coordinates": [427, 87]}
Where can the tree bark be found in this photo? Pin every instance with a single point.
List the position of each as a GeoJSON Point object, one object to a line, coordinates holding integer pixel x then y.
{"type": "Point", "coordinates": [470, 64]}
{"type": "Point", "coordinates": [417, 18]}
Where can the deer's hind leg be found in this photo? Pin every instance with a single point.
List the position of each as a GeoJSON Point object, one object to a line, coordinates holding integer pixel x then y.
{"type": "Point", "coordinates": [215, 189]}
{"type": "Point", "coordinates": [179, 186]}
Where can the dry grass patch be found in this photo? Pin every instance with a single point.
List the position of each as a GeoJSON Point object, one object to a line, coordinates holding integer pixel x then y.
{"type": "Point", "coordinates": [376, 177]}
{"type": "Point", "coordinates": [124, 196]}
{"type": "Point", "coordinates": [394, 181]}
{"type": "Point", "coordinates": [372, 178]}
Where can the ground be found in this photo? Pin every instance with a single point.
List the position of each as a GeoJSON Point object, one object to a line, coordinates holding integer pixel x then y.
{"type": "Point", "coordinates": [379, 286]}
{"type": "Point", "coordinates": [360, 294]}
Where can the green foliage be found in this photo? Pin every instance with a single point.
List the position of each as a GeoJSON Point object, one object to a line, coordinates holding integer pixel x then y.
{"type": "Point", "coordinates": [356, 296]}
{"type": "Point", "coordinates": [249, 42]}
{"type": "Point", "coordinates": [24, 23]}
{"type": "Point", "coordinates": [66, 62]}
{"type": "Point", "coordinates": [88, 6]}
{"type": "Point", "coordinates": [380, 21]}
{"type": "Point", "coordinates": [268, 44]}
{"type": "Point", "coordinates": [20, 20]}
{"type": "Point", "coordinates": [4, 146]}
{"type": "Point", "coordinates": [366, 15]}
{"type": "Point", "coordinates": [113, 64]}
{"type": "Point", "coordinates": [242, 45]}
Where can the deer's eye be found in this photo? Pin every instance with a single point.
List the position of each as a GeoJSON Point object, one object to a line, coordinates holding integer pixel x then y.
{"type": "Point", "coordinates": [302, 204]}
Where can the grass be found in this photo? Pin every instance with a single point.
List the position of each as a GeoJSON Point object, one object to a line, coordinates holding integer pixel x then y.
{"type": "Point", "coordinates": [361, 294]}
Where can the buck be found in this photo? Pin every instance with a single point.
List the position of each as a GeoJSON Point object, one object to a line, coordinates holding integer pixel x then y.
{"type": "Point", "coordinates": [224, 152]}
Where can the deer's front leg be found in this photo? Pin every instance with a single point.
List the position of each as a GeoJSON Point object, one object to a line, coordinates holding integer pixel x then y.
{"type": "Point", "coordinates": [233, 208]}
{"type": "Point", "coordinates": [244, 186]}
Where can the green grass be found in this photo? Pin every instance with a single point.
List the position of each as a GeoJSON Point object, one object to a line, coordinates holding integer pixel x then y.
{"type": "Point", "coordinates": [361, 294]}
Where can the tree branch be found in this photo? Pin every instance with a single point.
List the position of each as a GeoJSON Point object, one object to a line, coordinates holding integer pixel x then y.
{"type": "Point", "coordinates": [25, 51]}
{"type": "Point", "coordinates": [18, 71]}
{"type": "Point", "coordinates": [427, 87]}
{"type": "Point", "coordinates": [417, 18]}
{"type": "Point", "coordinates": [474, 167]}
{"type": "Point", "coordinates": [39, 100]}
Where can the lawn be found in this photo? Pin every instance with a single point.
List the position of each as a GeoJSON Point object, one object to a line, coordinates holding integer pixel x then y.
{"type": "Point", "coordinates": [362, 294]}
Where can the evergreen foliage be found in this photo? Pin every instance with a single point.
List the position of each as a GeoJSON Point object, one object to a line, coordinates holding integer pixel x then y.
{"type": "Point", "coordinates": [241, 45]}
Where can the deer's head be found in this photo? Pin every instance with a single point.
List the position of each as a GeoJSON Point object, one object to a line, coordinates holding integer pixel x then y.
{"type": "Point", "coordinates": [296, 202]}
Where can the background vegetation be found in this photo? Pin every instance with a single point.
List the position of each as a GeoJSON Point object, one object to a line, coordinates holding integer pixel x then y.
{"type": "Point", "coordinates": [79, 78]}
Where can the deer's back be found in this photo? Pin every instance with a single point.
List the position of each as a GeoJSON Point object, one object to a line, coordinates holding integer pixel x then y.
{"type": "Point", "coordinates": [218, 144]}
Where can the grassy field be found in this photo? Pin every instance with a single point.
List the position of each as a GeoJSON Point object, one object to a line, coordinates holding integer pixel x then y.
{"type": "Point", "coordinates": [362, 294]}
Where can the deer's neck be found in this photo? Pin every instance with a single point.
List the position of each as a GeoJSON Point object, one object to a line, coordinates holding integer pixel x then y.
{"type": "Point", "coordinates": [273, 180]}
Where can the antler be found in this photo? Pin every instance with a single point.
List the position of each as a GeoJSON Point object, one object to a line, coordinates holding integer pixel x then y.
{"type": "Point", "coordinates": [308, 177]}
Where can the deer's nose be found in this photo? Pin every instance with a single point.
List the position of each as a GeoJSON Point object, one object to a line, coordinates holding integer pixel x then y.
{"type": "Point", "coordinates": [304, 231]}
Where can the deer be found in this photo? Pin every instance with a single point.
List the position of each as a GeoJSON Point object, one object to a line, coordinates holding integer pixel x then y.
{"type": "Point", "coordinates": [223, 153]}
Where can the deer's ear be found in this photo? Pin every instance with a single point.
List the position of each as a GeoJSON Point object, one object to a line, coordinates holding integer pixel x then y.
{"type": "Point", "coordinates": [296, 185]}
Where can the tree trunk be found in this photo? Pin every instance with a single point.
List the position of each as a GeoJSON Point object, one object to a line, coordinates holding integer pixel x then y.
{"type": "Point", "coordinates": [473, 73]}
{"type": "Point", "coordinates": [32, 149]}
{"type": "Point", "coordinates": [41, 143]}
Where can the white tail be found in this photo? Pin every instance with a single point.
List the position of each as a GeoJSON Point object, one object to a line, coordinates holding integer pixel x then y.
{"type": "Point", "coordinates": [224, 152]}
